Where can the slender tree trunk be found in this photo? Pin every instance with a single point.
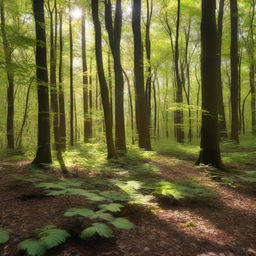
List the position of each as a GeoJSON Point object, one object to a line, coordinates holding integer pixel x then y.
{"type": "Point", "coordinates": [43, 153]}
{"type": "Point", "coordinates": [71, 79]}
{"type": "Point", "coordinates": [85, 82]}
{"type": "Point", "coordinates": [148, 56]}
{"type": "Point", "coordinates": [221, 108]}
{"type": "Point", "coordinates": [10, 78]}
{"type": "Point", "coordinates": [210, 151]}
{"type": "Point", "coordinates": [140, 95]}
{"type": "Point", "coordinates": [102, 79]}
{"type": "Point", "coordinates": [62, 113]}
{"type": "Point", "coordinates": [234, 71]}
{"type": "Point", "coordinates": [114, 34]}
{"type": "Point", "coordinates": [178, 114]}
{"type": "Point", "coordinates": [53, 80]}
{"type": "Point", "coordinates": [90, 100]}
{"type": "Point", "coordinates": [110, 87]}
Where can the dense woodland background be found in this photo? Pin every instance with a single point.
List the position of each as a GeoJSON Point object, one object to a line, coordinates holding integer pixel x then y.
{"type": "Point", "coordinates": [128, 127]}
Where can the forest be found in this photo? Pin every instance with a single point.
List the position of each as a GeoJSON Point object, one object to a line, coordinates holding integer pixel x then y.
{"type": "Point", "coordinates": [128, 128]}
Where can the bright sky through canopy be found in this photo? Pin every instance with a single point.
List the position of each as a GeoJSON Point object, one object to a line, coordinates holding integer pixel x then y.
{"type": "Point", "coordinates": [76, 13]}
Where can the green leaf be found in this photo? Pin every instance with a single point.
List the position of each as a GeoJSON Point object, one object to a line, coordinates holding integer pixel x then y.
{"type": "Point", "coordinates": [100, 228]}
{"type": "Point", "coordinates": [79, 212]}
{"type": "Point", "coordinates": [53, 236]}
{"type": "Point", "coordinates": [111, 207]}
{"type": "Point", "coordinates": [114, 196]}
{"type": "Point", "coordinates": [104, 216]}
{"type": "Point", "coordinates": [4, 235]}
{"type": "Point", "coordinates": [122, 223]}
{"type": "Point", "coordinates": [33, 247]}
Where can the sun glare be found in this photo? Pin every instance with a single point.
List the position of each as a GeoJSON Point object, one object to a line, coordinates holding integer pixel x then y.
{"type": "Point", "coordinates": [76, 13]}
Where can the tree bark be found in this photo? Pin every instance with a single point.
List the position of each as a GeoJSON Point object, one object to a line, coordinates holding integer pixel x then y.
{"type": "Point", "coordinates": [114, 34]}
{"type": "Point", "coordinates": [234, 71]}
{"type": "Point", "coordinates": [10, 78]}
{"type": "Point", "coordinates": [43, 153]}
{"type": "Point", "coordinates": [210, 151]}
{"type": "Point", "coordinates": [102, 79]}
{"type": "Point", "coordinates": [221, 108]}
{"type": "Point", "coordinates": [140, 95]}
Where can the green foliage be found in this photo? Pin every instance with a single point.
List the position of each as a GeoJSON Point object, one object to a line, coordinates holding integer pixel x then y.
{"type": "Point", "coordinates": [97, 228]}
{"type": "Point", "coordinates": [111, 207]}
{"type": "Point", "coordinates": [49, 237]}
{"type": "Point", "coordinates": [84, 212]}
{"type": "Point", "coordinates": [181, 190]}
{"type": "Point", "coordinates": [249, 176]}
{"type": "Point", "coordinates": [33, 247]}
{"type": "Point", "coordinates": [122, 223]}
{"type": "Point", "coordinates": [4, 235]}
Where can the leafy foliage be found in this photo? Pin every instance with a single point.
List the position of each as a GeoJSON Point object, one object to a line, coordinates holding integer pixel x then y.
{"type": "Point", "coordinates": [4, 235]}
{"type": "Point", "coordinates": [181, 190]}
{"type": "Point", "coordinates": [97, 228]}
{"type": "Point", "coordinates": [111, 207]}
{"type": "Point", "coordinates": [122, 223]}
{"type": "Point", "coordinates": [49, 237]}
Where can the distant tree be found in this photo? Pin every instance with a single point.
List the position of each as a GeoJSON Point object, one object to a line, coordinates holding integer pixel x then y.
{"type": "Point", "coordinates": [43, 153]}
{"type": "Point", "coordinates": [210, 151]}
{"type": "Point", "coordinates": [234, 57]}
{"type": "Point", "coordinates": [10, 77]}
{"type": "Point", "coordinates": [140, 95]}
{"type": "Point", "coordinates": [114, 35]}
{"type": "Point", "coordinates": [102, 79]}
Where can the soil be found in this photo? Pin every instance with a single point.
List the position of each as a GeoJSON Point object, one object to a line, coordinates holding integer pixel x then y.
{"type": "Point", "coordinates": [224, 226]}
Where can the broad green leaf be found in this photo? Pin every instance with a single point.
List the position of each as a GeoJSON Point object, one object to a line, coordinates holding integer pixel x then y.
{"type": "Point", "coordinates": [4, 235]}
{"type": "Point", "coordinates": [79, 212]}
{"type": "Point", "coordinates": [100, 228]}
{"type": "Point", "coordinates": [122, 223]}
{"type": "Point", "coordinates": [111, 207]}
{"type": "Point", "coordinates": [33, 247]}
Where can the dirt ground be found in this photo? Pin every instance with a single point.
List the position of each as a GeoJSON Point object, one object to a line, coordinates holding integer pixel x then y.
{"type": "Point", "coordinates": [224, 227]}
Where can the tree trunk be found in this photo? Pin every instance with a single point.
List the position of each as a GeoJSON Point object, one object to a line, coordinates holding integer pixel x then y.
{"type": "Point", "coordinates": [234, 71]}
{"type": "Point", "coordinates": [71, 79]}
{"type": "Point", "coordinates": [178, 114]}
{"type": "Point", "coordinates": [10, 78]}
{"type": "Point", "coordinates": [102, 79]}
{"type": "Point", "coordinates": [210, 151]}
{"type": "Point", "coordinates": [140, 95]}
{"type": "Point", "coordinates": [43, 153]}
{"type": "Point", "coordinates": [85, 82]}
{"type": "Point", "coordinates": [114, 33]}
{"type": "Point", "coordinates": [221, 108]}
{"type": "Point", "coordinates": [62, 114]}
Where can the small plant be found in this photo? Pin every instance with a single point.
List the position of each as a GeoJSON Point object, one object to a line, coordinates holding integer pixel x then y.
{"type": "Point", "coordinates": [180, 190]}
{"type": "Point", "coordinates": [4, 235]}
{"type": "Point", "coordinates": [100, 228]}
{"type": "Point", "coordinates": [49, 237]}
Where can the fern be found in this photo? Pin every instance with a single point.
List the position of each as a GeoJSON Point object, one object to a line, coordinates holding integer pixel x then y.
{"type": "Point", "coordinates": [111, 207]}
{"type": "Point", "coordinates": [122, 223]}
{"type": "Point", "coordinates": [49, 237]}
{"type": "Point", "coordinates": [181, 190]}
{"type": "Point", "coordinates": [53, 236]}
{"type": "Point", "coordinates": [99, 228]}
{"type": "Point", "coordinates": [33, 247]}
{"type": "Point", "coordinates": [4, 235]}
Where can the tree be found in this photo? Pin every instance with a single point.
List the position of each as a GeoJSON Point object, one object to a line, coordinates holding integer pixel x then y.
{"type": "Point", "coordinates": [140, 95]}
{"type": "Point", "coordinates": [87, 134]}
{"type": "Point", "coordinates": [210, 151]}
{"type": "Point", "coordinates": [10, 77]}
{"type": "Point", "coordinates": [43, 153]}
{"type": "Point", "coordinates": [114, 35]}
{"type": "Point", "coordinates": [102, 79]}
{"type": "Point", "coordinates": [234, 58]}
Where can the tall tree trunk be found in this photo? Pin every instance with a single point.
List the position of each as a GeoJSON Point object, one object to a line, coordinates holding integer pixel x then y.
{"type": "Point", "coordinates": [62, 113]}
{"type": "Point", "coordinates": [53, 80]}
{"type": "Point", "coordinates": [234, 71]}
{"type": "Point", "coordinates": [102, 79]}
{"type": "Point", "coordinates": [178, 114]}
{"type": "Point", "coordinates": [71, 79]}
{"type": "Point", "coordinates": [43, 153]}
{"type": "Point", "coordinates": [140, 95]}
{"type": "Point", "coordinates": [110, 87]}
{"type": "Point", "coordinates": [221, 108]}
{"type": "Point", "coordinates": [90, 100]}
{"type": "Point", "coordinates": [114, 33]}
{"type": "Point", "coordinates": [148, 56]}
{"type": "Point", "coordinates": [210, 151]}
{"type": "Point", "coordinates": [85, 82]}
{"type": "Point", "coordinates": [10, 78]}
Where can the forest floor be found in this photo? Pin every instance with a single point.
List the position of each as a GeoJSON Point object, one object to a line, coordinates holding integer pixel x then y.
{"type": "Point", "coordinates": [223, 224]}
